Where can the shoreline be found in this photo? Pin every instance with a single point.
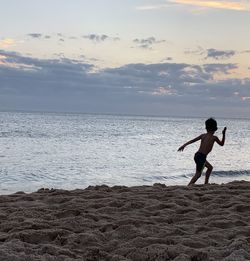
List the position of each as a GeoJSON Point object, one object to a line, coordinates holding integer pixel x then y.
{"type": "Point", "coordinates": [200, 222]}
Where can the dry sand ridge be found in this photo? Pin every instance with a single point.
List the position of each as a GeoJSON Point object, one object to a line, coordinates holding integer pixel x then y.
{"type": "Point", "coordinates": [144, 223]}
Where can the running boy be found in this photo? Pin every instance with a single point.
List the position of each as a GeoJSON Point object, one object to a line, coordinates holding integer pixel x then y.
{"type": "Point", "coordinates": [206, 146]}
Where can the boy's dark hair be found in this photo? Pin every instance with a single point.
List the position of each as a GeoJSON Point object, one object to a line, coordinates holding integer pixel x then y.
{"type": "Point", "coordinates": [211, 124]}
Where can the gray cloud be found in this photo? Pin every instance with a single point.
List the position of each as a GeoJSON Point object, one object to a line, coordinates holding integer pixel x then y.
{"type": "Point", "coordinates": [147, 43]}
{"type": "Point", "coordinates": [35, 35]}
{"type": "Point", "coordinates": [220, 54]}
{"type": "Point", "coordinates": [61, 37]}
{"type": "Point", "coordinates": [164, 88]}
{"type": "Point", "coordinates": [211, 53]}
{"type": "Point", "coordinates": [39, 36]}
{"type": "Point", "coordinates": [218, 67]}
{"type": "Point", "coordinates": [100, 38]}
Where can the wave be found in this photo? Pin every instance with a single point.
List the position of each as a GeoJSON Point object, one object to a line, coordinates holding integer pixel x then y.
{"type": "Point", "coordinates": [231, 173]}
{"type": "Point", "coordinates": [223, 174]}
{"type": "Point", "coordinates": [22, 134]}
{"type": "Point", "coordinates": [218, 174]}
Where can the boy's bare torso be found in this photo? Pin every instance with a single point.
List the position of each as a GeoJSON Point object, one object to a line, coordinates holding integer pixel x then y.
{"type": "Point", "coordinates": [207, 143]}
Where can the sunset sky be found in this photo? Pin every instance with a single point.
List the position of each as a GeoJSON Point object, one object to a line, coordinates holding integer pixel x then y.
{"type": "Point", "coordinates": [172, 57]}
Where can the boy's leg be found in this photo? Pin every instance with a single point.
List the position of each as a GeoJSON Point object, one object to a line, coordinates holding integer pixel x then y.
{"type": "Point", "coordinates": [195, 177]}
{"type": "Point", "coordinates": [208, 172]}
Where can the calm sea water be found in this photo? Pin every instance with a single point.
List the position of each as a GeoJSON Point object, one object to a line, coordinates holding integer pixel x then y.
{"type": "Point", "coordinates": [77, 150]}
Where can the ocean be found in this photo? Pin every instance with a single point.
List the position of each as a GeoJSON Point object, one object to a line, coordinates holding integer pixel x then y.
{"type": "Point", "coordinates": [69, 151]}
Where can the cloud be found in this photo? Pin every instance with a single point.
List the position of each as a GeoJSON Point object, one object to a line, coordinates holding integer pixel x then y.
{"type": "Point", "coordinates": [229, 5]}
{"type": "Point", "coordinates": [35, 35]}
{"type": "Point", "coordinates": [59, 36]}
{"type": "Point", "coordinates": [241, 5]}
{"type": "Point", "coordinates": [212, 53]}
{"type": "Point", "coordinates": [219, 68]}
{"type": "Point", "coordinates": [39, 36]}
{"type": "Point", "coordinates": [15, 62]}
{"type": "Point", "coordinates": [147, 43]}
{"type": "Point", "coordinates": [100, 38]}
{"type": "Point", "coordinates": [7, 42]}
{"type": "Point", "coordinates": [96, 38]}
{"type": "Point", "coordinates": [163, 91]}
{"type": "Point", "coordinates": [220, 54]}
{"type": "Point", "coordinates": [76, 85]}
{"type": "Point", "coordinates": [245, 98]}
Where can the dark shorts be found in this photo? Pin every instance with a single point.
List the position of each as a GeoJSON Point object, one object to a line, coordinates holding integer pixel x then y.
{"type": "Point", "coordinates": [200, 160]}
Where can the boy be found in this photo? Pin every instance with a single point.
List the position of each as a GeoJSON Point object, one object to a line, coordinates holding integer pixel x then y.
{"type": "Point", "coordinates": [206, 145]}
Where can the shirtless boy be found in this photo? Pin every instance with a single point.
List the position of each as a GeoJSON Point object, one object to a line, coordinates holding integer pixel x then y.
{"type": "Point", "coordinates": [206, 146]}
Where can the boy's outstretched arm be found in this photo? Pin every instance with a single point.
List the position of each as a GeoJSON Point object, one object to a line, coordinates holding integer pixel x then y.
{"type": "Point", "coordinates": [222, 142]}
{"type": "Point", "coordinates": [190, 142]}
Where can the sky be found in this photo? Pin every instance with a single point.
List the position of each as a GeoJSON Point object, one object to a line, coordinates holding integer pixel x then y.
{"type": "Point", "coordinates": [144, 57]}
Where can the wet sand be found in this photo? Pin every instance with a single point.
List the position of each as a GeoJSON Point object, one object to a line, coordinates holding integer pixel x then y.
{"type": "Point", "coordinates": [144, 223]}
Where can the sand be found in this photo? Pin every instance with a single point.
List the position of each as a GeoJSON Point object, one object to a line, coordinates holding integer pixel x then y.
{"type": "Point", "coordinates": [203, 222]}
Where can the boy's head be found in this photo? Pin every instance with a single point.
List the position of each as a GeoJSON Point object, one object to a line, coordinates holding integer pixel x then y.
{"type": "Point", "coordinates": [211, 124]}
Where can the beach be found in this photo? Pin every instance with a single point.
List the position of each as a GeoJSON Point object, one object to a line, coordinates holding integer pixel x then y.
{"type": "Point", "coordinates": [202, 222]}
